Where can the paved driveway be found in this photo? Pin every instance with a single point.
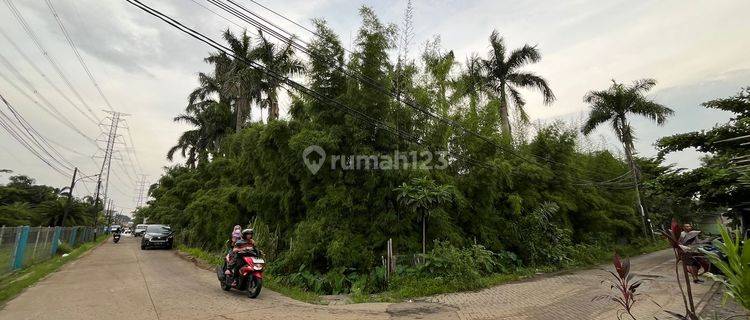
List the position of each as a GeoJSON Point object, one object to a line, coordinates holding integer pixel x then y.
{"type": "Point", "coordinates": [568, 296]}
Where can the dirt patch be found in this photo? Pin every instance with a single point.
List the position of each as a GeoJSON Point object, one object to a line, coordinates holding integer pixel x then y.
{"type": "Point", "coordinates": [421, 310]}
{"type": "Point", "coordinates": [197, 262]}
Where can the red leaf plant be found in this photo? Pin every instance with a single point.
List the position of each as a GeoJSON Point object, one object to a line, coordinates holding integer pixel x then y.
{"type": "Point", "coordinates": [623, 287]}
{"type": "Point", "coordinates": [693, 263]}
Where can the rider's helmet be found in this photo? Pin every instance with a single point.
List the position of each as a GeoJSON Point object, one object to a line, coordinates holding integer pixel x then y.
{"type": "Point", "coordinates": [246, 232]}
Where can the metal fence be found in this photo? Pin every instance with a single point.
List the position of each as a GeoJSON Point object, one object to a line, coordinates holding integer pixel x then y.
{"type": "Point", "coordinates": [23, 246]}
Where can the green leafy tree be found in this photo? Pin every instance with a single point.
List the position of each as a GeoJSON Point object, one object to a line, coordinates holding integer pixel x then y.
{"type": "Point", "coordinates": [423, 196]}
{"type": "Point", "coordinates": [717, 183]}
{"type": "Point", "coordinates": [613, 106]}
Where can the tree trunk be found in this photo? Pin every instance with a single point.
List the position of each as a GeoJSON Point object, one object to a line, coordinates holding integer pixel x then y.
{"type": "Point", "coordinates": [504, 114]}
{"type": "Point", "coordinates": [241, 107]}
{"type": "Point", "coordinates": [273, 106]}
{"type": "Point", "coordinates": [634, 172]}
{"type": "Point", "coordinates": [424, 233]}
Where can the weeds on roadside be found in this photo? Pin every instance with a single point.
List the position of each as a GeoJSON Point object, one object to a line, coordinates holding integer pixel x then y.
{"type": "Point", "coordinates": [736, 270]}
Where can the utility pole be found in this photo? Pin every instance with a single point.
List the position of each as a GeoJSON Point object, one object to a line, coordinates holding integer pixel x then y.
{"type": "Point", "coordinates": [70, 197]}
{"type": "Point", "coordinates": [96, 203]}
{"type": "Point", "coordinates": [111, 137]}
{"type": "Point", "coordinates": [73, 182]}
{"type": "Point", "coordinates": [109, 214]}
{"type": "Point", "coordinates": [141, 190]}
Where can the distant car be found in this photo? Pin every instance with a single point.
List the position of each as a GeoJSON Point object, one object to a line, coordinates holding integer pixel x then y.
{"type": "Point", "coordinates": [157, 235]}
{"type": "Point", "coordinates": [127, 232]}
{"type": "Point", "coordinates": [115, 228]}
{"type": "Point", "coordinates": [139, 230]}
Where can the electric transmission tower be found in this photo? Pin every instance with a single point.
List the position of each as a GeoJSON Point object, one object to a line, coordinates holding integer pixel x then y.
{"type": "Point", "coordinates": [110, 124]}
{"type": "Point", "coordinates": [141, 189]}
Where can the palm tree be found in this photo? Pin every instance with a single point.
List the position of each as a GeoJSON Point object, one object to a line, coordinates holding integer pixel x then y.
{"type": "Point", "coordinates": [469, 83]}
{"type": "Point", "coordinates": [613, 106]}
{"type": "Point", "coordinates": [234, 79]}
{"type": "Point", "coordinates": [212, 121]}
{"type": "Point", "coordinates": [422, 195]}
{"type": "Point", "coordinates": [503, 77]}
{"type": "Point", "coordinates": [280, 62]}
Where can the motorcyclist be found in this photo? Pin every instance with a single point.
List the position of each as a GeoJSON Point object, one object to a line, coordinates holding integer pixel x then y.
{"type": "Point", "coordinates": [244, 244]}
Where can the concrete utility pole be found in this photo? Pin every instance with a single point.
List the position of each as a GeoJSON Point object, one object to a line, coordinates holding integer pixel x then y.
{"type": "Point", "coordinates": [70, 197]}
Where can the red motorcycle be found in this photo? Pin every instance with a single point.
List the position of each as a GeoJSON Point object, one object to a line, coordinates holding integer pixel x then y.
{"type": "Point", "coordinates": [250, 275]}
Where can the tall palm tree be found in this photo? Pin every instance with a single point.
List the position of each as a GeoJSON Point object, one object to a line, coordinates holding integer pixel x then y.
{"type": "Point", "coordinates": [503, 77]}
{"type": "Point", "coordinates": [439, 65]}
{"type": "Point", "coordinates": [233, 78]}
{"type": "Point", "coordinates": [280, 62]}
{"type": "Point", "coordinates": [469, 83]}
{"type": "Point", "coordinates": [613, 106]}
{"type": "Point", "coordinates": [212, 122]}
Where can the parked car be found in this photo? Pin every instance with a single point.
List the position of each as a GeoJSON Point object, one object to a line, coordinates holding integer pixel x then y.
{"type": "Point", "coordinates": [139, 230]}
{"type": "Point", "coordinates": [157, 236]}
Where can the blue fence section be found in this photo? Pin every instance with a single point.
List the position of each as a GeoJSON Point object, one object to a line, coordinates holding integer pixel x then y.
{"type": "Point", "coordinates": [23, 246]}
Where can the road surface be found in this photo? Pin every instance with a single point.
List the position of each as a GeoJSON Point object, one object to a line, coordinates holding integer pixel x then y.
{"type": "Point", "coordinates": [119, 281]}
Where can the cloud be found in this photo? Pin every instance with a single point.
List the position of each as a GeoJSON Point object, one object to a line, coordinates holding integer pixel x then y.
{"type": "Point", "coordinates": [697, 51]}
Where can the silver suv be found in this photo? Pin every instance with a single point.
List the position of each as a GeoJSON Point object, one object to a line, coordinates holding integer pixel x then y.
{"type": "Point", "coordinates": [139, 230]}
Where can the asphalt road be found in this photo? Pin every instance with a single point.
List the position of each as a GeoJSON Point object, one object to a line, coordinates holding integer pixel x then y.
{"type": "Point", "coordinates": [120, 281]}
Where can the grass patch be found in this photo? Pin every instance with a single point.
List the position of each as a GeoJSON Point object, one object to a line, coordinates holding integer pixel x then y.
{"type": "Point", "coordinates": [292, 292]}
{"type": "Point", "coordinates": [408, 287]}
{"type": "Point", "coordinates": [269, 282]}
{"type": "Point", "coordinates": [412, 286]}
{"type": "Point", "coordinates": [213, 259]}
{"type": "Point", "coordinates": [12, 284]}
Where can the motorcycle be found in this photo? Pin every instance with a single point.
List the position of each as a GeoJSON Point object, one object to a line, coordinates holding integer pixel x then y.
{"type": "Point", "coordinates": [115, 237]}
{"type": "Point", "coordinates": [249, 277]}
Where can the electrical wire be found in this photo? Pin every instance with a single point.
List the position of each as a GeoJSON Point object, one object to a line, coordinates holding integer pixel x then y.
{"type": "Point", "coordinates": [48, 107]}
{"type": "Point", "coordinates": [291, 38]}
{"type": "Point", "coordinates": [5, 122]}
{"type": "Point", "coordinates": [32, 135]}
{"type": "Point", "coordinates": [78, 56]}
{"type": "Point", "coordinates": [367, 119]}
{"type": "Point", "coordinates": [32, 35]}
{"type": "Point", "coordinates": [45, 77]}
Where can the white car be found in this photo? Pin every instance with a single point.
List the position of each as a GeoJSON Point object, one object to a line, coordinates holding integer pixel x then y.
{"type": "Point", "coordinates": [127, 232]}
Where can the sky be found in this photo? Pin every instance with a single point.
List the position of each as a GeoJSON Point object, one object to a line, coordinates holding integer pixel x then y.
{"type": "Point", "coordinates": [697, 51]}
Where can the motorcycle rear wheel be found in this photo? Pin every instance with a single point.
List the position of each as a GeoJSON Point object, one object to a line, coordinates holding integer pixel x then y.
{"type": "Point", "coordinates": [253, 288]}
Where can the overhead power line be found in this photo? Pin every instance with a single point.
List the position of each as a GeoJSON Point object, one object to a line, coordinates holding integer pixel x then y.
{"type": "Point", "coordinates": [78, 54]}
{"type": "Point", "coordinates": [364, 117]}
{"type": "Point", "coordinates": [26, 139]}
{"type": "Point", "coordinates": [31, 133]}
{"type": "Point", "coordinates": [247, 15]}
{"type": "Point", "coordinates": [48, 106]}
{"type": "Point", "coordinates": [44, 76]}
{"type": "Point", "coordinates": [32, 35]}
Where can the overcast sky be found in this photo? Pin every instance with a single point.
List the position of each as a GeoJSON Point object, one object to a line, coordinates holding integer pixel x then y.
{"type": "Point", "coordinates": [697, 51]}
